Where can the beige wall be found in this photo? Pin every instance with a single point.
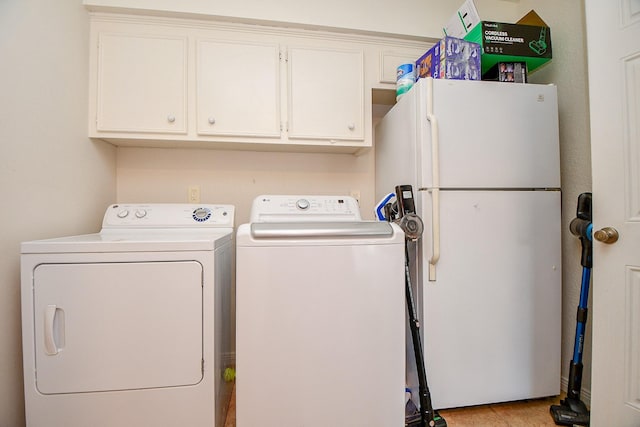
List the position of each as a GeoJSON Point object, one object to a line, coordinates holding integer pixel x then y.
{"type": "Point", "coordinates": [48, 165]}
{"type": "Point", "coordinates": [237, 177]}
{"type": "Point", "coordinates": [421, 18]}
{"type": "Point", "coordinates": [53, 179]}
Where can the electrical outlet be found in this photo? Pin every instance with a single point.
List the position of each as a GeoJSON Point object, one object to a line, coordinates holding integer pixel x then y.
{"type": "Point", "coordinates": [193, 195]}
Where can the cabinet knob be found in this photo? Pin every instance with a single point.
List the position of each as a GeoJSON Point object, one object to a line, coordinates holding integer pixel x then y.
{"type": "Point", "coordinates": [171, 118]}
{"type": "Point", "coordinates": [351, 126]}
{"type": "Point", "coordinates": [212, 120]}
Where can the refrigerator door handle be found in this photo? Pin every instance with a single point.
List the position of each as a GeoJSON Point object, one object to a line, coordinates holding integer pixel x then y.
{"type": "Point", "coordinates": [435, 184]}
{"type": "Point", "coordinates": [435, 230]}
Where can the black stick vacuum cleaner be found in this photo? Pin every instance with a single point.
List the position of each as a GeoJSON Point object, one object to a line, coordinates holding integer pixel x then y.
{"type": "Point", "coordinates": [572, 411]}
{"type": "Point", "coordinates": [404, 213]}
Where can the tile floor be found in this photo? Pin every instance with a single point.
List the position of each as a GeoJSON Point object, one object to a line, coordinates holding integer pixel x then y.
{"type": "Point", "coordinates": [528, 413]}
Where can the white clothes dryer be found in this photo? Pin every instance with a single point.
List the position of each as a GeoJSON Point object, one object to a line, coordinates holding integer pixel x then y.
{"type": "Point", "coordinates": [132, 326]}
{"type": "Point", "coordinates": [320, 316]}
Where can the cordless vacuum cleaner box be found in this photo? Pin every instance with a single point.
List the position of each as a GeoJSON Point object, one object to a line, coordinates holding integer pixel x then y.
{"type": "Point", "coordinates": [520, 42]}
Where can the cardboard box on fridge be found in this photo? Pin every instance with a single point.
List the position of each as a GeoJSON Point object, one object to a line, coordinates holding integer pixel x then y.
{"type": "Point", "coordinates": [511, 72]}
{"type": "Point", "coordinates": [450, 58]}
{"type": "Point", "coordinates": [528, 40]}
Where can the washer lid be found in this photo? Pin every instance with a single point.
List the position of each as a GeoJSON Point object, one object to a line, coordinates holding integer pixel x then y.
{"type": "Point", "coordinates": [361, 233]}
{"type": "Point", "coordinates": [271, 230]}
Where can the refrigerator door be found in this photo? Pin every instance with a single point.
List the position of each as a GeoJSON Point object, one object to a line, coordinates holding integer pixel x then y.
{"type": "Point", "coordinates": [492, 317]}
{"type": "Point", "coordinates": [488, 135]}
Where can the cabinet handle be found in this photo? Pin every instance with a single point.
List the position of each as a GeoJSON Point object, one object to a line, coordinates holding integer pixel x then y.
{"type": "Point", "coordinates": [171, 118]}
{"type": "Point", "coordinates": [351, 126]}
{"type": "Point", "coordinates": [212, 120]}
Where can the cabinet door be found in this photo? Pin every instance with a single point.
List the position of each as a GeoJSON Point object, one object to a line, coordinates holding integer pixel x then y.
{"type": "Point", "coordinates": [326, 94]}
{"type": "Point", "coordinates": [141, 83]}
{"type": "Point", "coordinates": [238, 89]}
{"type": "Point", "coordinates": [390, 60]}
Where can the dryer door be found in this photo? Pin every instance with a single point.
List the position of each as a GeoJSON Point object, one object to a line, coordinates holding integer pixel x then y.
{"type": "Point", "coordinates": [117, 326]}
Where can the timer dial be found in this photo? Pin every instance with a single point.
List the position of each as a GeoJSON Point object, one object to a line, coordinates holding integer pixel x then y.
{"type": "Point", "coordinates": [302, 204]}
{"type": "Point", "coordinates": [201, 214]}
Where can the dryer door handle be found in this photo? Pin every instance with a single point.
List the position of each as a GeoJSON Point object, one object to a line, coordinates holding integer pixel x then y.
{"type": "Point", "coordinates": [50, 347]}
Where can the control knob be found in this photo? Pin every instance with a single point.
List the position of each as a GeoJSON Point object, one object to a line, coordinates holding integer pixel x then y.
{"type": "Point", "coordinates": [303, 204]}
{"type": "Point", "coordinates": [201, 214]}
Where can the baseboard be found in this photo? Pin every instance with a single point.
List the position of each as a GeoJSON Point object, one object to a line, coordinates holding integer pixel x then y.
{"type": "Point", "coordinates": [585, 394]}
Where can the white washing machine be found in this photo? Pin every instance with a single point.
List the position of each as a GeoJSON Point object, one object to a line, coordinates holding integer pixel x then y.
{"type": "Point", "coordinates": [132, 326]}
{"type": "Point", "coordinates": [320, 316]}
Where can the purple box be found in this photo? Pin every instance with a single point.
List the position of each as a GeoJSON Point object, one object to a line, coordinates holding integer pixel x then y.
{"type": "Point", "coordinates": [450, 58]}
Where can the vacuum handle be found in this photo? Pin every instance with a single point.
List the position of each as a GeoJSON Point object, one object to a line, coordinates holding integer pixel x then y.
{"type": "Point", "coordinates": [582, 227]}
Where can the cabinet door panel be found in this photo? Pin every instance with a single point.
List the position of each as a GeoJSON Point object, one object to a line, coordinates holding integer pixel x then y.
{"type": "Point", "coordinates": [390, 60]}
{"type": "Point", "coordinates": [238, 89]}
{"type": "Point", "coordinates": [142, 83]}
{"type": "Point", "coordinates": [326, 94]}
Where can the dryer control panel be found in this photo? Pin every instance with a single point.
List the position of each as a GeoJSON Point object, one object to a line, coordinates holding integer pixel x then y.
{"type": "Point", "coordinates": [281, 208]}
{"type": "Point", "coordinates": [168, 215]}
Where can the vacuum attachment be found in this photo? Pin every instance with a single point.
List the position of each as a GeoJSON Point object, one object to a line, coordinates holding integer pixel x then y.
{"type": "Point", "coordinates": [570, 413]}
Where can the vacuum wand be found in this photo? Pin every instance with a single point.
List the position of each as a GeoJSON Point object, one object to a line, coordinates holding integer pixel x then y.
{"type": "Point", "coordinates": [403, 212]}
{"type": "Point", "coordinates": [426, 406]}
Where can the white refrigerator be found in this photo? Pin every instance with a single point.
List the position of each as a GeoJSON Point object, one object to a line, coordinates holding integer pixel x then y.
{"type": "Point", "coordinates": [484, 162]}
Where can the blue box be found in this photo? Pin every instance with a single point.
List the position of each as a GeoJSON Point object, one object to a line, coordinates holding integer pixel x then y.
{"type": "Point", "coordinates": [451, 58]}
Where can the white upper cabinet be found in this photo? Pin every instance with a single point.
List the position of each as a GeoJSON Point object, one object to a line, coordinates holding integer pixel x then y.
{"type": "Point", "coordinates": [237, 88]}
{"type": "Point", "coordinates": [179, 82]}
{"type": "Point", "coordinates": [326, 98]}
{"type": "Point", "coordinates": [391, 59]}
{"type": "Point", "coordinates": [141, 83]}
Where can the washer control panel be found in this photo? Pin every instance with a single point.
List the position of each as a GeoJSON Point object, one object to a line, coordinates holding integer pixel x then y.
{"type": "Point", "coordinates": [276, 208]}
{"type": "Point", "coordinates": [168, 215]}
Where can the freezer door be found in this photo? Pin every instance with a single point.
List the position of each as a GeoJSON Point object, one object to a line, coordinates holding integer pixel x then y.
{"type": "Point", "coordinates": [395, 147]}
{"type": "Point", "coordinates": [490, 135]}
{"type": "Point", "coordinates": [492, 317]}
